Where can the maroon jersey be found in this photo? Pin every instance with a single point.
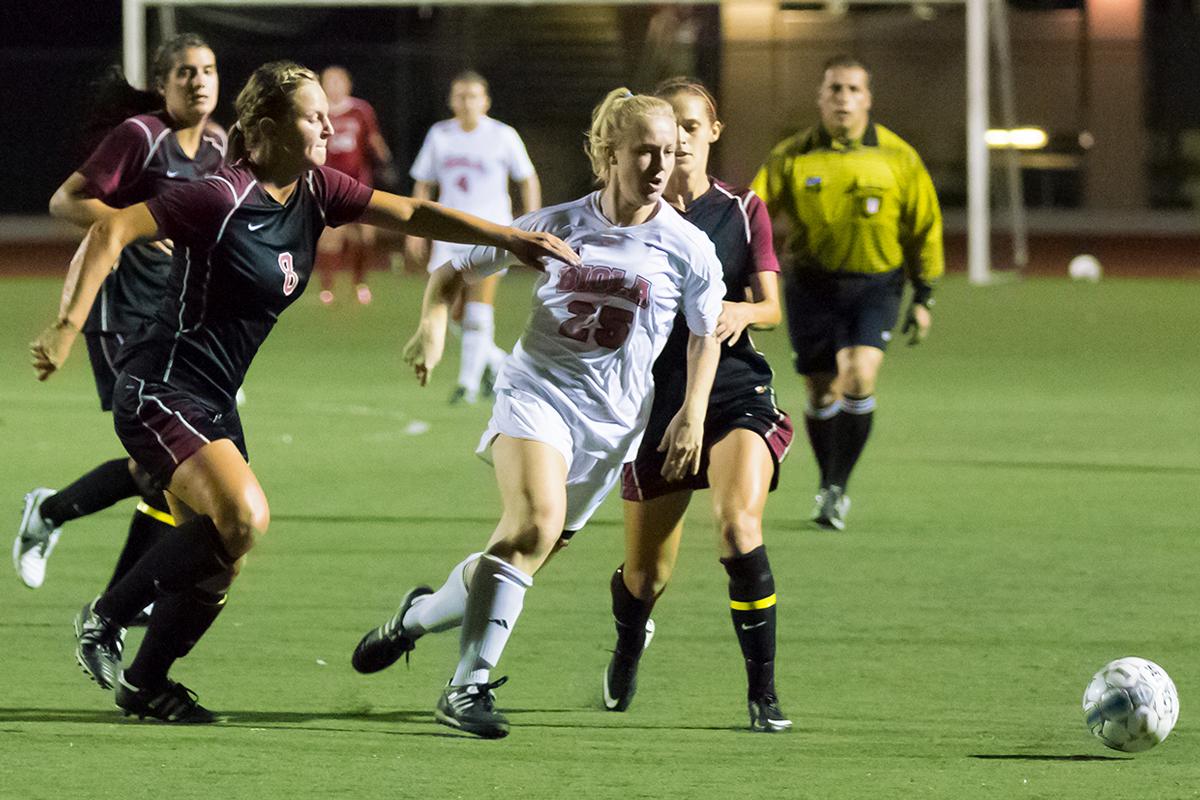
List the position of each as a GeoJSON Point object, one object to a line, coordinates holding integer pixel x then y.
{"type": "Point", "coordinates": [350, 148]}
{"type": "Point", "coordinates": [738, 223]}
{"type": "Point", "coordinates": [241, 258]}
{"type": "Point", "coordinates": [139, 159]}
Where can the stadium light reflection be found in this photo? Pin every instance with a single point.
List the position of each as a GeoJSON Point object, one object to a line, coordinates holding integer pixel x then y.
{"type": "Point", "coordinates": [1016, 138]}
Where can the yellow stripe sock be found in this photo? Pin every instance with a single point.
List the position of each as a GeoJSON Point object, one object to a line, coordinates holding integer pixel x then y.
{"type": "Point", "coordinates": [753, 605]}
{"type": "Point", "coordinates": [154, 513]}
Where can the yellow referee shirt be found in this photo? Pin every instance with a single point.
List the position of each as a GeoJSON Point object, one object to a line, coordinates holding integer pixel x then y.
{"type": "Point", "coordinates": [867, 206]}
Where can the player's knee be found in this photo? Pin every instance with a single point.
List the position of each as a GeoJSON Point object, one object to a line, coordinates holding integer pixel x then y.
{"type": "Point", "coordinates": [241, 524]}
{"type": "Point", "coordinates": [859, 382]}
{"type": "Point", "coordinates": [740, 530]}
{"type": "Point", "coordinates": [647, 583]}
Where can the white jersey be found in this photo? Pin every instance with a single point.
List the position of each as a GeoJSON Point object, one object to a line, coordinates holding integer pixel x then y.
{"type": "Point", "coordinates": [595, 330]}
{"type": "Point", "coordinates": [472, 168]}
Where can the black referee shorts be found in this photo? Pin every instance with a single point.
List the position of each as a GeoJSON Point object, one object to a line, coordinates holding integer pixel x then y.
{"type": "Point", "coordinates": [830, 311]}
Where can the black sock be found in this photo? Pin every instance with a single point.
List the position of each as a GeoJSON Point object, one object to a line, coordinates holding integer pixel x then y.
{"type": "Point", "coordinates": [820, 436]}
{"type": "Point", "coordinates": [97, 490]}
{"type": "Point", "coordinates": [178, 622]}
{"type": "Point", "coordinates": [850, 437]}
{"type": "Point", "coordinates": [144, 532]}
{"type": "Point", "coordinates": [192, 553]}
{"type": "Point", "coordinates": [630, 615]}
{"type": "Point", "coordinates": [752, 607]}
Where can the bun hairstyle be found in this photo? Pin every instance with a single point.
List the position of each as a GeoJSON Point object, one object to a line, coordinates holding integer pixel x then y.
{"type": "Point", "coordinates": [681, 83]}
{"type": "Point", "coordinates": [266, 95]}
{"type": "Point", "coordinates": [611, 121]}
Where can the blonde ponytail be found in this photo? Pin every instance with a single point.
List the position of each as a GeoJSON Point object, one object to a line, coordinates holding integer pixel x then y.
{"type": "Point", "coordinates": [611, 121]}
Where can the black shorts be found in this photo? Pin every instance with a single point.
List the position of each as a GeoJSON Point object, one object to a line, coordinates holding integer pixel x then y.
{"type": "Point", "coordinates": [830, 311]}
{"type": "Point", "coordinates": [102, 351]}
{"type": "Point", "coordinates": [641, 479]}
{"type": "Point", "coordinates": [161, 427]}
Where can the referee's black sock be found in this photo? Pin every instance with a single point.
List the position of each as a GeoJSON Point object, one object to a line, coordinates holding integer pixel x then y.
{"type": "Point", "coordinates": [630, 615]}
{"type": "Point", "coordinates": [97, 490]}
{"type": "Point", "coordinates": [752, 607]}
{"type": "Point", "coordinates": [145, 529]}
{"type": "Point", "coordinates": [820, 424]}
{"type": "Point", "coordinates": [178, 622]}
{"type": "Point", "coordinates": [850, 436]}
{"type": "Point", "coordinates": [191, 553]}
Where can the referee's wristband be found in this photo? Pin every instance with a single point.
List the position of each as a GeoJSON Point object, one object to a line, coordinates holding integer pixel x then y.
{"type": "Point", "coordinates": [922, 295]}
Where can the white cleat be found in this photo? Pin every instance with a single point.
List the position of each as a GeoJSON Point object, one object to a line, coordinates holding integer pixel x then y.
{"type": "Point", "coordinates": [35, 540]}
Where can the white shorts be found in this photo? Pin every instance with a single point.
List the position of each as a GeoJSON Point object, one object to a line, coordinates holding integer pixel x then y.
{"type": "Point", "coordinates": [441, 252]}
{"type": "Point", "coordinates": [522, 415]}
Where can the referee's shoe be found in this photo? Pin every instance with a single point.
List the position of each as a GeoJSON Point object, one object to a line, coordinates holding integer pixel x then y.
{"type": "Point", "coordinates": [831, 508]}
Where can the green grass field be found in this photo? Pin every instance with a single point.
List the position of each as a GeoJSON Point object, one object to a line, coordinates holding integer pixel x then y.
{"type": "Point", "coordinates": [1025, 512]}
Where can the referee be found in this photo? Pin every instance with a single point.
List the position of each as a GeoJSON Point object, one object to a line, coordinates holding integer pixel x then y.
{"type": "Point", "coordinates": [863, 216]}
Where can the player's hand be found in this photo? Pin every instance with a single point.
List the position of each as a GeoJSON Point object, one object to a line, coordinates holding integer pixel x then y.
{"type": "Point", "coordinates": [917, 323]}
{"type": "Point", "coordinates": [48, 352]}
{"type": "Point", "coordinates": [416, 254]}
{"type": "Point", "coordinates": [532, 246]}
{"type": "Point", "coordinates": [165, 245]}
{"type": "Point", "coordinates": [683, 443]}
{"type": "Point", "coordinates": [734, 319]}
{"type": "Point", "coordinates": [424, 350]}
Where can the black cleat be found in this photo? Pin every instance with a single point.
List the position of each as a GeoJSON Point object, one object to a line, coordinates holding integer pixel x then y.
{"type": "Point", "coordinates": [462, 397]}
{"type": "Point", "coordinates": [99, 647]}
{"type": "Point", "coordinates": [384, 645]}
{"type": "Point", "coordinates": [767, 717]}
{"type": "Point", "coordinates": [170, 702]}
{"type": "Point", "coordinates": [620, 676]}
{"type": "Point", "coordinates": [472, 708]}
{"type": "Point", "coordinates": [487, 384]}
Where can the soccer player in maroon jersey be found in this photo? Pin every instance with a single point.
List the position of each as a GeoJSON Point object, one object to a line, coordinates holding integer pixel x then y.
{"type": "Point", "coordinates": [357, 148]}
{"type": "Point", "coordinates": [244, 243]}
{"type": "Point", "coordinates": [164, 139]}
{"type": "Point", "coordinates": [745, 435]}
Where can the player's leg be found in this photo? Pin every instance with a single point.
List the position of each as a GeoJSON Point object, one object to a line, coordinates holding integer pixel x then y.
{"type": "Point", "coordinates": [532, 478]}
{"type": "Point", "coordinates": [360, 241]}
{"type": "Point", "coordinates": [653, 530]}
{"type": "Point", "coordinates": [330, 252]}
{"type": "Point", "coordinates": [179, 620]}
{"type": "Point", "coordinates": [46, 511]}
{"type": "Point", "coordinates": [741, 471]}
{"type": "Point", "coordinates": [479, 351]}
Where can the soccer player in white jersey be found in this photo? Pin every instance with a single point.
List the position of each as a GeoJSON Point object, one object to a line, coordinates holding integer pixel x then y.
{"type": "Point", "coordinates": [573, 398]}
{"type": "Point", "coordinates": [467, 162]}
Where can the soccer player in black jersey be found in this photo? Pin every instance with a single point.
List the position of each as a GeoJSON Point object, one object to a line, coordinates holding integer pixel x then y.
{"type": "Point", "coordinates": [745, 435]}
{"type": "Point", "coordinates": [158, 140]}
{"type": "Point", "coordinates": [244, 242]}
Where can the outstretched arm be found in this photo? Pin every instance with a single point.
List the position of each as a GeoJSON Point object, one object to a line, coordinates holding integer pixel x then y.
{"type": "Point", "coordinates": [760, 311]}
{"type": "Point", "coordinates": [424, 218]}
{"type": "Point", "coordinates": [684, 439]}
{"type": "Point", "coordinates": [92, 262]}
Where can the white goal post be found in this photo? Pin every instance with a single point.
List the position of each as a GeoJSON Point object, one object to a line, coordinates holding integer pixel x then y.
{"type": "Point", "coordinates": [980, 15]}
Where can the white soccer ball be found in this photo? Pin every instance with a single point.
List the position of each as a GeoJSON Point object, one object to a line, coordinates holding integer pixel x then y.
{"type": "Point", "coordinates": [1085, 268]}
{"type": "Point", "coordinates": [1131, 704]}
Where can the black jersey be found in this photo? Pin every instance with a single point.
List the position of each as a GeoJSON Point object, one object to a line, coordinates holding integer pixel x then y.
{"type": "Point", "coordinates": [738, 224]}
{"type": "Point", "coordinates": [137, 160]}
{"type": "Point", "coordinates": [241, 258]}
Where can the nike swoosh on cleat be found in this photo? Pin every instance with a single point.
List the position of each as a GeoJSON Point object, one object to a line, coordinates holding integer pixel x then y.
{"type": "Point", "coordinates": [254, 227]}
{"type": "Point", "coordinates": [746, 627]}
{"type": "Point", "coordinates": [503, 623]}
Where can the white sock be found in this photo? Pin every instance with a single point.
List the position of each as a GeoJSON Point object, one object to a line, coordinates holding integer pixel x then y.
{"type": "Point", "coordinates": [493, 605]}
{"type": "Point", "coordinates": [442, 610]}
{"type": "Point", "coordinates": [479, 329]}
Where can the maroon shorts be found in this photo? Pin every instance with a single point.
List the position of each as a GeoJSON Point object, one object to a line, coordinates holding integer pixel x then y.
{"type": "Point", "coordinates": [641, 479]}
{"type": "Point", "coordinates": [161, 427]}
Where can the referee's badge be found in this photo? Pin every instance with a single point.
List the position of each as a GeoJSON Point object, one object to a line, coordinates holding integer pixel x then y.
{"type": "Point", "coordinates": [813, 183]}
{"type": "Point", "coordinates": [871, 205]}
